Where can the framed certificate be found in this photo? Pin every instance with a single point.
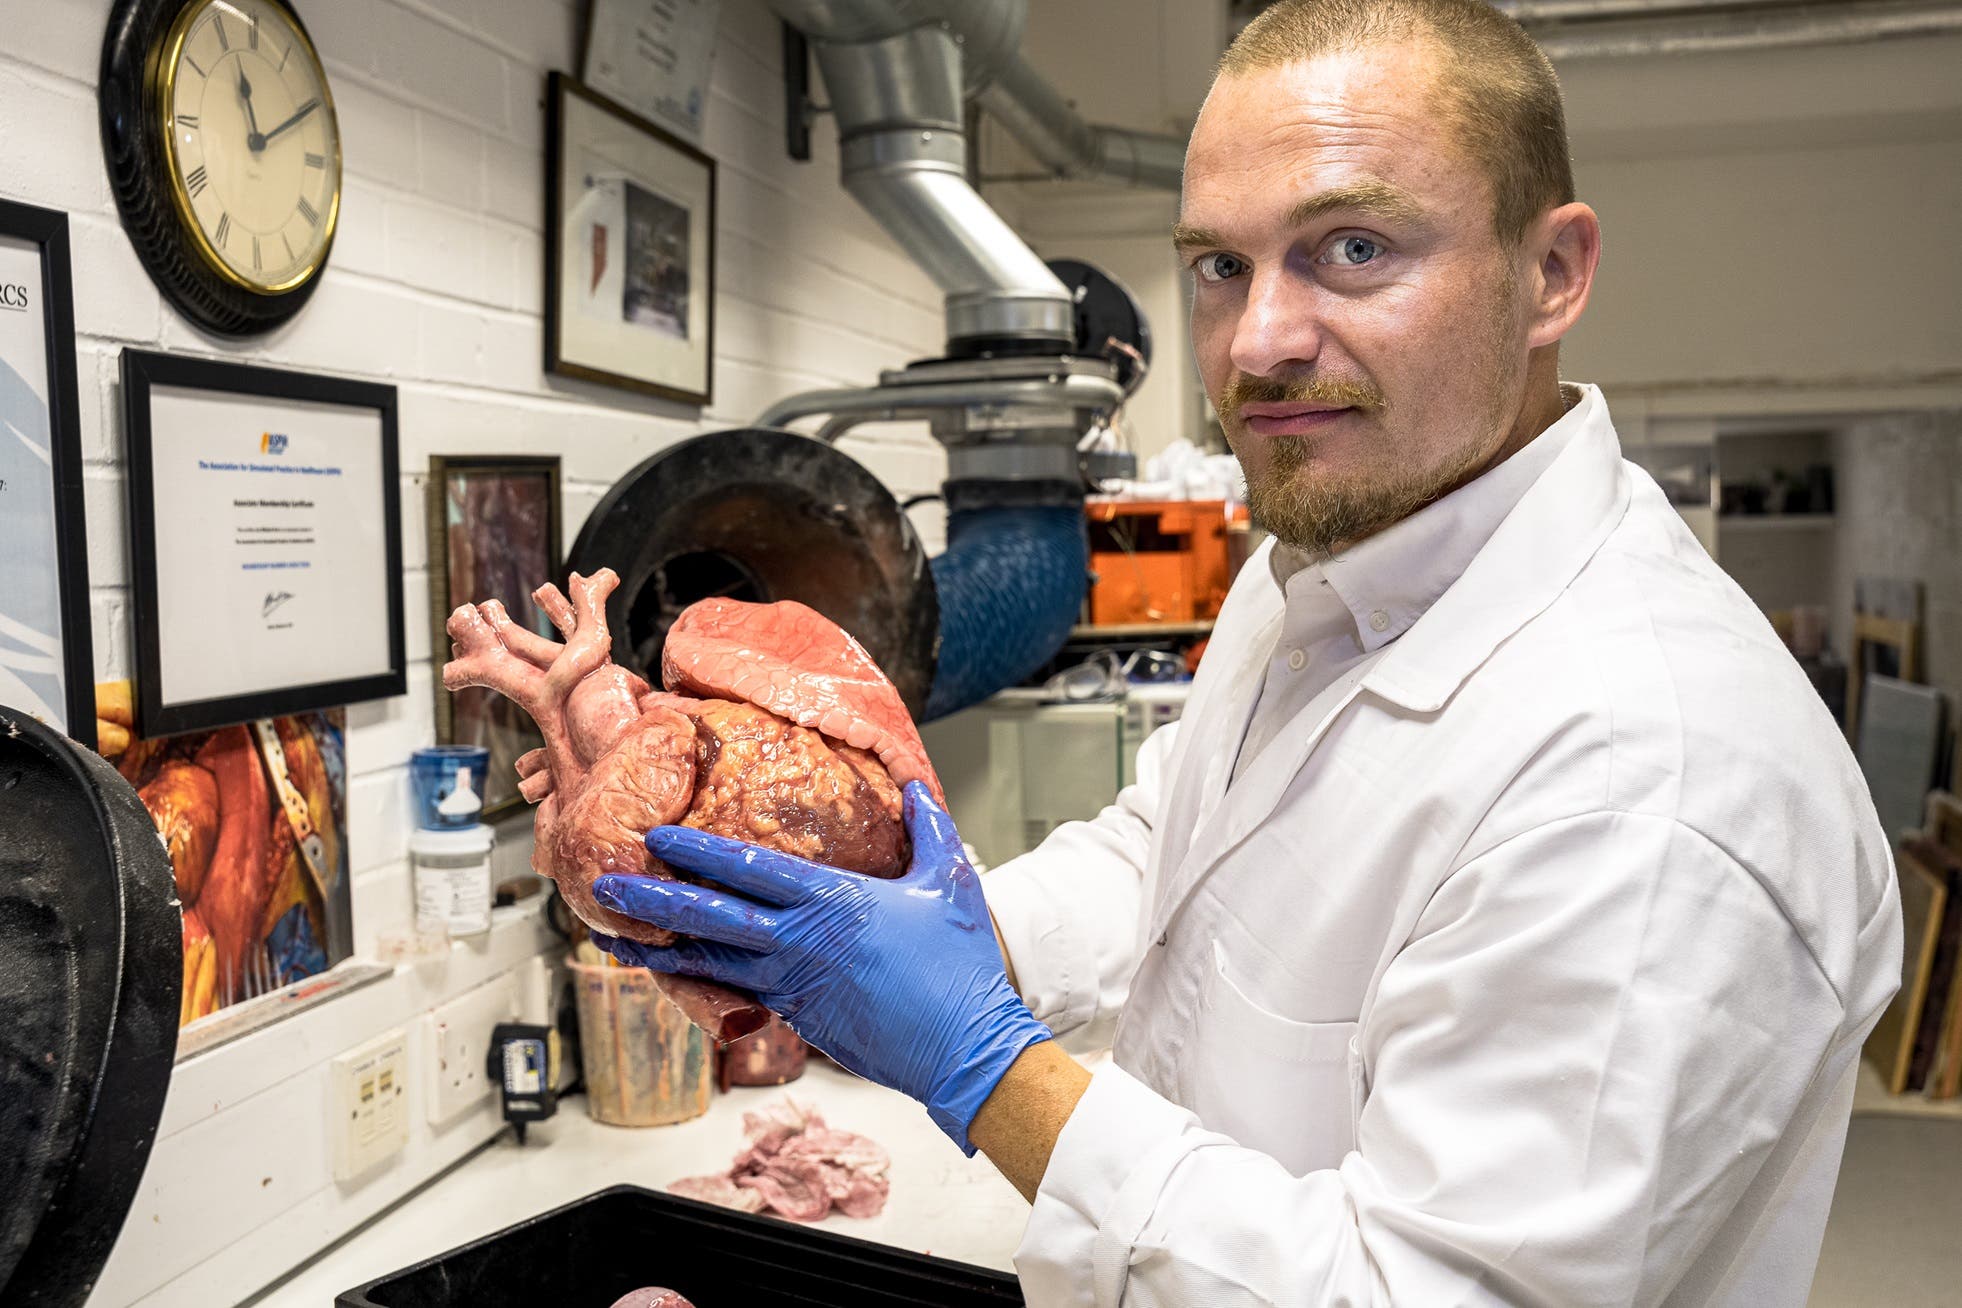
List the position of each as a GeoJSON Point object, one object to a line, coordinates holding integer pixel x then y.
{"type": "Point", "coordinates": [654, 57]}
{"type": "Point", "coordinates": [629, 250]}
{"type": "Point", "coordinates": [265, 533]}
{"type": "Point", "coordinates": [46, 665]}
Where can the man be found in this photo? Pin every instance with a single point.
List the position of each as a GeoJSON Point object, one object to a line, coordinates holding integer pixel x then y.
{"type": "Point", "coordinates": [1503, 920]}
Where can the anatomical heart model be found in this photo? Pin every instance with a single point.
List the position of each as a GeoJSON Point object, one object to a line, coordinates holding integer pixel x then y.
{"type": "Point", "coordinates": [776, 727]}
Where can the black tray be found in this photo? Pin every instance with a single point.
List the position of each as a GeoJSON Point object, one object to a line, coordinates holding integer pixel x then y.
{"type": "Point", "coordinates": [592, 1251]}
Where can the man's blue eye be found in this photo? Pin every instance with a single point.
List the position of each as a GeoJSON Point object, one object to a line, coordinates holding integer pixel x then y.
{"type": "Point", "coordinates": [1353, 251]}
{"type": "Point", "coordinates": [1219, 267]}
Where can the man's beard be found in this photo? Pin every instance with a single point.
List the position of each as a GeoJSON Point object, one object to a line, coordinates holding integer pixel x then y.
{"type": "Point", "coordinates": [1318, 511]}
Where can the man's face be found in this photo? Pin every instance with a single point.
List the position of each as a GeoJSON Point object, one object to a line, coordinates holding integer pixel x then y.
{"type": "Point", "coordinates": [1358, 324]}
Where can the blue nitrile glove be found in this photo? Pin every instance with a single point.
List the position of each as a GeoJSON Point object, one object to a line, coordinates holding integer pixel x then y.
{"type": "Point", "coordinates": [900, 981]}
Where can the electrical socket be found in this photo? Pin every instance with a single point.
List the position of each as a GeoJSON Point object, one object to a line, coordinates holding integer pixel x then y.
{"type": "Point", "coordinates": [369, 1104]}
{"type": "Point", "coordinates": [459, 1039]}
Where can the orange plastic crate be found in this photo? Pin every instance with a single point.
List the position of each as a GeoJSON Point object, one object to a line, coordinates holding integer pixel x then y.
{"type": "Point", "coordinates": [1158, 561]}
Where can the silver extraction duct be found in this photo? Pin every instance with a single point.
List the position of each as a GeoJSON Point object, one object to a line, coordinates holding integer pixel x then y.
{"type": "Point", "coordinates": [1050, 128]}
{"type": "Point", "coordinates": [895, 74]}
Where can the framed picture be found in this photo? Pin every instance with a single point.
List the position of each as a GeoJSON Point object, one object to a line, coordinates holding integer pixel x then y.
{"type": "Point", "coordinates": [266, 541]}
{"type": "Point", "coordinates": [268, 903]}
{"type": "Point", "coordinates": [629, 250]}
{"type": "Point", "coordinates": [46, 665]}
{"type": "Point", "coordinates": [494, 533]}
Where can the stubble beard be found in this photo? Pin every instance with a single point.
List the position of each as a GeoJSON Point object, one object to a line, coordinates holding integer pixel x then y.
{"type": "Point", "coordinates": [1318, 511]}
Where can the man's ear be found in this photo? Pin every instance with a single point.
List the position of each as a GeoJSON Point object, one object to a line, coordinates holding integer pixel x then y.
{"type": "Point", "coordinates": [1566, 245]}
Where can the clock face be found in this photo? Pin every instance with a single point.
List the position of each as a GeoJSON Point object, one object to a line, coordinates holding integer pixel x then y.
{"type": "Point", "coordinates": [254, 153]}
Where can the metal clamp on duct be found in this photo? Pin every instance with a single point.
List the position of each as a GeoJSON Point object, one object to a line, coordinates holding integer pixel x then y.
{"type": "Point", "coordinates": [1012, 579]}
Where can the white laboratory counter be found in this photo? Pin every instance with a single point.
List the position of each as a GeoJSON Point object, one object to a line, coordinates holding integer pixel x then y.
{"type": "Point", "coordinates": [941, 1203]}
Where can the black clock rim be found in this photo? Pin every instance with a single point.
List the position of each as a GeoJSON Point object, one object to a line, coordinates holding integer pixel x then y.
{"type": "Point", "coordinates": [133, 150]}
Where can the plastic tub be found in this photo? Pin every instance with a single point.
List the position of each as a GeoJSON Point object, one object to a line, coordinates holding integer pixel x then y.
{"type": "Point", "coordinates": [589, 1253]}
{"type": "Point", "coordinates": [645, 1063]}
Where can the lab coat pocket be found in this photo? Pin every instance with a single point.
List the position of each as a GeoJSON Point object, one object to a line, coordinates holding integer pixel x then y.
{"type": "Point", "coordinates": [1289, 1089]}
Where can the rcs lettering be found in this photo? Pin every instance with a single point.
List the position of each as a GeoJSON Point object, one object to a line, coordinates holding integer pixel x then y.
{"type": "Point", "coordinates": [13, 295]}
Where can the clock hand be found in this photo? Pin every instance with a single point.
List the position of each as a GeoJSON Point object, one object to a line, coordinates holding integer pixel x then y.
{"type": "Point", "coordinates": [297, 115]}
{"type": "Point", "coordinates": [253, 140]}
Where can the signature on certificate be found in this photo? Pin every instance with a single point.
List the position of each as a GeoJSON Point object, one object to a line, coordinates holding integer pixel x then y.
{"type": "Point", "coordinates": [274, 599]}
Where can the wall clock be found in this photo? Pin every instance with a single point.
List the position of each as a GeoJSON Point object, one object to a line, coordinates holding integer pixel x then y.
{"type": "Point", "coordinates": [224, 154]}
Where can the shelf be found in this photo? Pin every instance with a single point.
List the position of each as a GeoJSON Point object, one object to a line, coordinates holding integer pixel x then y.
{"type": "Point", "coordinates": [1770, 521]}
{"type": "Point", "coordinates": [1142, 630]}
{"type": "Point", "coordinates": [1872, 1099]}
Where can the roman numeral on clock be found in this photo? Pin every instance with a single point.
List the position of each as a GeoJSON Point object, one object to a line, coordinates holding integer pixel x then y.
{"type": "Point", "coordinates": [224, 227]}
{"type": "Point", "coordinates": [252, 33]}
{"type": "Point", "coordinates": [307, 212]}
{"type": "Point", "coordinates": [255, 254]}
{"type": "Point", "coordinates": [224, 42]}
{"type": "Point", "coordinates": [316, 160]}
{"type": "Point", "coordinates": [188, 120]}
{"type": "Point", "coordinates": [195, 180]}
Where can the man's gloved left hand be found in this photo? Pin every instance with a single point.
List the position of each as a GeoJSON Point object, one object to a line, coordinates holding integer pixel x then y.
{"type": "Point", "coordinates": [900, 981]}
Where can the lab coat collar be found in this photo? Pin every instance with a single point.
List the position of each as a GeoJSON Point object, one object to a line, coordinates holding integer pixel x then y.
{"type": "Point", "coordinates": [1390, 580]}
{"type": "Point", "coordinates": [1538, 549]}
{"type": "Point", "coordinates": [1552, 531]}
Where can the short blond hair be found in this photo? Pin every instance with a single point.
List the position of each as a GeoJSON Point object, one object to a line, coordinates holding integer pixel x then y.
{"type": "Point", "coordinates": [1499, 86]}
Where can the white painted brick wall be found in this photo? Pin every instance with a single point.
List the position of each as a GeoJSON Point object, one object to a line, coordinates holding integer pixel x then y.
{"type": "Point", "coordinates": [436, 286]}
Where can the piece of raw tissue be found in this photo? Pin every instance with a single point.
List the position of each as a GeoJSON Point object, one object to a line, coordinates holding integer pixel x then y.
{"type": "Point", "coordinates": [652, 1297]}
{"type": "Point", "coordinates": [797, 1167]}
{"type": "Point", "coordinates": [774, 727]}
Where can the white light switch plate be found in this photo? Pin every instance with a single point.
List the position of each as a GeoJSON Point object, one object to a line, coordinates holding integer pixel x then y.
{"type": "Point", "coordinates": [459, 1040]}
{"type": "Point", "coordinates": [369, 1104]}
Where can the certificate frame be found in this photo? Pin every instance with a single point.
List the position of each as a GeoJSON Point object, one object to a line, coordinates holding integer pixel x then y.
{"type": "Point", "coordinates": [476, 716]}
{"type": "Point", "coordinates": [51, 292]}
{"type": "Point", "coordinates": [654, 57]}
{"type": "Point", "coordinates": [157, 713]}
{"type": "Point", "coordinates": [623, 314]}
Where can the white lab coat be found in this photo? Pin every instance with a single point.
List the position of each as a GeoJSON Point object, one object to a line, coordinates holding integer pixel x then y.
{"type": "Point", "coordinates": [1531, 969]}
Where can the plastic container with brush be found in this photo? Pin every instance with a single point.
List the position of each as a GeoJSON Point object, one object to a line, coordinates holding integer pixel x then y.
{"type": "Point", "coordinates": [450, 849]}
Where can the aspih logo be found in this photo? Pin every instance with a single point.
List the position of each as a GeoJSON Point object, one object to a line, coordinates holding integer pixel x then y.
{"type": "Point", "coordinates": [13, 296]}
{"type": "Point", "coordinates": [272, 442]}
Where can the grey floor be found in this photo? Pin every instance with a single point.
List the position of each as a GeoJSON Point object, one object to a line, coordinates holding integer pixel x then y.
{"type": "Point", "coordinates": [1895, 1236]}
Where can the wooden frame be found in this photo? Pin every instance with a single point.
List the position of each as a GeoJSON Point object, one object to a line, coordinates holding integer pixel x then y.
{"type": "Point", "coordinates": [1902, 635]}
{"type": "Point", "coordinates": [142, 373]}
{"type": "Point", "coordinates": [562, 91]}
{"type": "Point", "coordinates": [60, 479]}
{"type": "Point", "coordinates": [1924, 904]}
{"type": "Point", "coordinates": [1944, 822]}
{"type": "Point", "coordinates": [501, 793]}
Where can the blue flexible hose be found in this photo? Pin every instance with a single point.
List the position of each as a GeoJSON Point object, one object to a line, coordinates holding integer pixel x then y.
{"type": "Point", "coordinates": [1010, 586]}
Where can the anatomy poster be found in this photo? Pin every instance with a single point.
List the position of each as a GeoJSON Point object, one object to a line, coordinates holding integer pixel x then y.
{"type": "Point", "coordinates": [255, 819]}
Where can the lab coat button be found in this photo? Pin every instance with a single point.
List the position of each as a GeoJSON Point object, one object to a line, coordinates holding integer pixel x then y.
{"type": "Point", "coordinates": [1297, 660]}
{"type": "Point", "coordinates": [1161, 939]}
{"type": "Point", "coordinates": [1379, 621]}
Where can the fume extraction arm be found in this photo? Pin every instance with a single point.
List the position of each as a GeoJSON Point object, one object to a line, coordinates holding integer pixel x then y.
{"type": "Point", "coordinates": [1038, 358]}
